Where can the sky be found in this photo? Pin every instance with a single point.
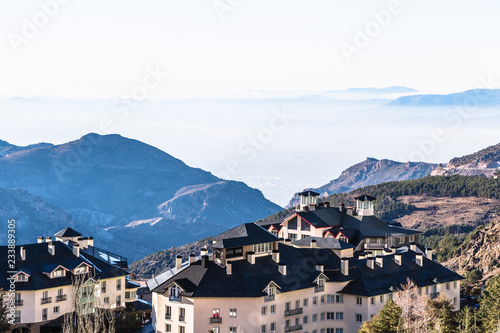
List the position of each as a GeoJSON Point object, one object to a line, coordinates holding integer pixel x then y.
{"type": "Point", "coordinates": [211, 71]}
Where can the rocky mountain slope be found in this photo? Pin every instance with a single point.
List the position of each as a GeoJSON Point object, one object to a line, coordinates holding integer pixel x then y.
{"type": "Point", "coordinates": [370, 172]}
{"type": "Point", "coordinates": [475, 97]}
{"type": "Point", "coordinates": [133, 198]}
{"type": "Point", "coordinates": [484, 162]}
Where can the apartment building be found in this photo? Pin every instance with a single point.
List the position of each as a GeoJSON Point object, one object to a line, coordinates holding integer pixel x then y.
{"type": "Point", "coordinates": [43, 275]}
{"type": "Point", "coordinates": [255, 282]}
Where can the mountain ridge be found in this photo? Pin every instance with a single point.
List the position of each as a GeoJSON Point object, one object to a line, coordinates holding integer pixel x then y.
{"type": "Point", "coordinates": [468, 98]}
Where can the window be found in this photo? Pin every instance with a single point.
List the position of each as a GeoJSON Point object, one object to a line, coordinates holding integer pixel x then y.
{"type": "Point", "coordinates": [263, 329]}
{"type": "Point", "coordinates": [359, 317]}
{"type": "Point", "coordinates": [118, 300]}
{"type": "Point", "coordinates": [305, 226]}
{"type": "Point", "coordinates": [182, 314]}
{"type": "Point", "coordinates": [262, 247]}
{"type": "Point", "coordinates": [17, 317]}
{"type": "Point", "coordinates": [58, 273]}
{"type": "Point", "coordinates": [103, 286]}
{"type": "Point", "coordinates": [330, 298]}
{"type": "Point", "coordinates": [322, 316]}
{"type": "Point", "coordinates": [372, 300]}
{"type": "Point", "coordinates": [314, 318]}
{"type": "Point", "coordinates": [232, 329]}
{"type": "Point", "coordinates": [305, 320]}
{"type": "Point", "coordinates": [168, 312]}
{"type": "Point", "coordinates": [343, 238]}
{"type": "Point", "coordinates": [315, 300]}
{"type": "Point", "coordinates": [330, 330]}
{"type": "Point", "coordinates": [297, 304]}
{"type": "Point", "coordinates": [56, 309]}
{"type": "Point", "coordinates": [272, 327]}
{"type": "Point", "coordinates": [44, 314]}
{"type": "Point", "coordinates": [287, 306]}
{"type": "Point", "coordinates": [292, 224]}
{"type": "Point", "coordinates": [293, 237]}
{"type": "Point", "coordinates": [305, 302]}
{"type": "Point", "coordinates": [381, 298]}
{"type": "Point", "coordinates": [80, 270]}
{"type": "Point", "coordinates": [339, 316]}
{"type": "Point", "coordinates": [182, 329]}
{"type": "Point", "coordinates": [322, 330]}
{"type": "Point", "coordinates": [119, 284]}
{"type": "Point", "coordinates": [232, 313]}
{"type": "Point", "coordinates": [454, 284]}
{"type": "Point", "coordinates": [273, 309]}
{"type": "Point", "coordinates": [339, 330]}
{"type": "Point", "coordinates": [263, 311]}
{"type": "Point", "coordinates": [45, 294]}
{"type": "Point", "coordinates": [455, 300]}
{"type": "Point", "coordinates": [447, 286]}
{"type": "Point", "coordinates": [359, 300]}
{"type": "Point", "coordinates": [236, 252]}
{"type": "Point", "coordinates": [127, 294]}
{"type": "Point", "coordinates": [106, 300]}
{"type": "Point", "coordinates": [21, 277]}
{"type": "Point", "coordinates": [330, 315]}
{"type": "Point", "coordinates": [168, 328]}
{"type": "Point", "coordinates": [340, 298]}
{"type": "Point", "coordinates": [322, 299]}
{"type": "Point", "coordinates": [401, 239]}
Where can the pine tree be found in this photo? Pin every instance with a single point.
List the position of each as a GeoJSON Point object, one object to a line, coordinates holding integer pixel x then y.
{"type": "Point", "coordinates": [490, 306]}
{"type": "Point", "coordinates": [387, 320]}
{"type": "Point", "coordinates": [467, 321]}
{"type": "Point", "coordinates": [443, 318]}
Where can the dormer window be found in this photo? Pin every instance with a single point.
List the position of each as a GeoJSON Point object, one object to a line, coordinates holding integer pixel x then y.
{"type": "Point", "coordinates": [58, 273]}
{"type": "Point", "coordinates": [81, 269]}
{"type": "Point", "coordinates": [343, 238]}
{"type": "Point", "coordinates": [21, 277]}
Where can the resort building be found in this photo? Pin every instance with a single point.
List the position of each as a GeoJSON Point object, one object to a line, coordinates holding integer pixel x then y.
{"type": "Point", "coordinates": [255, 282]}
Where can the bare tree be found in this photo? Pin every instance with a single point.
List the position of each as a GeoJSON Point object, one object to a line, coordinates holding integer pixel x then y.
{"type": "Point", "coordinates": [87, 314]}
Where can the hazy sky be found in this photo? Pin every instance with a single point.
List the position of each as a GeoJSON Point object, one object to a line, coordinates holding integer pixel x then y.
{"type": "Point", "coordinates": [88, 48]}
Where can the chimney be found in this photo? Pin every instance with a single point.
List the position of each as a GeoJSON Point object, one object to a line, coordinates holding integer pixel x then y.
{"type": "Point", "coordinates": [393, 249]}
{"type": "Point", "coordinates": [369, 254]}
{"type": "Point", "coordinates": [205, 261]}
{"type": "Point", "coordinates": [251, 257]}
{"type": "Point", "coordinates": [413, 247]}
{"type": "Point", "coordinates": [288, 241]}
{"type": "Point", "coordinates": [419, 259]}
{"type": "Point", "coordinates": [276, 255]}
{"type": "Point", "coordinates": [178, 261]}
{"type": "Point", "coordinates": [306, 209]}
{"type": "Point", "coordinates": [362, 255]}
{"type": "Point", "coordinates": [204, 252]}
{"type": "Point", "coordinates": [379, 260]}
{"type": "Point", "coordinates": [313, 243]}
{"type": "Point", "coordinates": [344, 265]}
{"type": "Point", "coordinates": [397, 258]}
{"type": "Point", "coordinates": [428, 253]}
{"type": "Point", "coordinates": [370, 262]}
{"type": "Point", "coordinates": [52, 247]}
{"type": "Point", "coordinates": [48, 239]}
{"type": "Point", "coordinates": [229, 268]}
{"type": "Point", "coordinates": [312, 206]}
{"type": "Point", "coordinates": [39, 240]}
{"type": "Point", "coordinates": [320, 268]}
{"type": "Point", "coordinates": [22, 253]}
{"type": "Point", "coordinates": [387, 251]}
{"type": "Point", "coordinates": [341, 207]}
{"type": "Point", "coordinates": [76, 249]}
{"type": "Point", "coordinates": [282, 268]}
{"type": "Point", "coordinates": [192, 258]}
{"type": "Point", "coordinates": [90, 241]}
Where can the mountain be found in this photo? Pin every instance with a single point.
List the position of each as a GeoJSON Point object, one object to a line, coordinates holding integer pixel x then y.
{"type": "Point", "coordinates": [7, 148]}
{"type": "Point", "coordinates": [386, 90]}
{"type": "Point", "coordinates": [370, 172]}
{"type": "Point", "coordinates": [469, 98]}
{"type": "Point", "coordinates": [133, 198]}
{"type": "Point", "coordinates": [484, 162]}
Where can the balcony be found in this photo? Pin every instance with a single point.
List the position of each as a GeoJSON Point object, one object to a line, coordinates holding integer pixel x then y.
{"type": "Point", "coordinates": [182, 318]}
{"type": "Point", "coordinates": [44, 317]}
{"type": "Point", "coordinates": [173, 298]}
{"type": "Point", "coordinates": [375, 246]}
{"type": "Point", "coordinates": [319, 289]}
{"type": "Point", "coordinates": [18, 302]}
{"type": "Point", "coordinates": [60, 298]}
{"type": "Point", "coordinates": [293, 328]}
{"type": "Point", "coordinates": [214, 320]}
{"type": "Point", "coordinates": [269, 298]}
{"type": "Point", "coordinates": [17, 320]}
{"type": "Point", "coordinates": [46, 300]}
{"type": "Point", "coordinates": [434, 295]}
{"type": "Point", "coordinates": [168, 316]}
{"type": "Point", "coordinates": [293, 312]}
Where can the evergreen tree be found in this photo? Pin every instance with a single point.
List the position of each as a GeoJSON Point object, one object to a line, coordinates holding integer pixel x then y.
{"type": "Point", "coordinates": [387, 320]}
{"type": "Point", "coordinates": [444, 319]}
{"type": "Point", "coordinates": [467, 321]}
{"type": "Point", "coordinates": [490, 306]}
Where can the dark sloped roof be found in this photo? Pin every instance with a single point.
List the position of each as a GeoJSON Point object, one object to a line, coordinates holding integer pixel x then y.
{"type": "Point", "coordinates": [371, 226]}
{"type": "Point", "coordinates": [39, 260]}
{"type": "Point", "coordinates": [245, 234]}
{"type": "Point", "coordinates": [321, 218]}
{"type": "Point", "coordinates": [349, 233]}
{"type": "Point", "coordinates": [324, 243]}
{"type": "Point", "coordinates": [68, 232]}
{"type": "Point", "coordinates": [377, 281]}
{"type": "Point", "coordinates": [307, 193]}
{"type": "Point", "coordinates": [365, 197]}
{"type": "Point", "coordinates": [249, 280]}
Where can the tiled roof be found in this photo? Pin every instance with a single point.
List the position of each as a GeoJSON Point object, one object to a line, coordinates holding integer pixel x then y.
{"type": "Point", "coordinates": [39, 260]}
{"type": "Point", "coordinates": [68, 232]}
{"type": "Point", "coordinates": [324, 243]}
{"type": "Point", "coordinates": [245, 234]}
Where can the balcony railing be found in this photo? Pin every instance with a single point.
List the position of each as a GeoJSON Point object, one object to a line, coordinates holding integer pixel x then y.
{"type": "Point", "coordinates": [18, 302]}
{"type": "Point", "coordinates": [173, 298]}
{"type": "Point", "coordinates": [60, 298]}
{"type": "Point", "coordinates": [182, 318]}
{"type": "Point", "coordinates": [293, 312]}
{"type": "Point", "coordinates": [434, 295]}
{"type": "Point", "coordinates": [17, 320]}
{"type": "Point", "coordinates": [269, 298]}
{"type": "Point", "coordinates": [377, 246]}
{"type": "Point", "coordinates": [214, 320]}
{"type": "Point", "coordinates": [293, 328]}
{"type": "Point", "coordinates": [46, 300]}
{"type": "Point", "coordinates": [44, 317]}
{"type": "Point", "coordinates": [319, 289]}
{"type": "Point", "coordinates": [168, 316]}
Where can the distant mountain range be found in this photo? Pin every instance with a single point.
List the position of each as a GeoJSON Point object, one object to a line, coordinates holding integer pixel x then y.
{"type": "Point", "coordinates": [133, 198]}
{"type": "Point", "coordinates": [371, 172]}
{"type": "Point", "coordinates": [469, 98]}
{"type": "Point", "coordinates": [386, 90]}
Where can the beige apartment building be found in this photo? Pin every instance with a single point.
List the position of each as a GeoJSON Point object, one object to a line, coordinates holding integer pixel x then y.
{"type": "Point", "coordinates": [255, 282]}
{"type": "Point", "coordinates": [43, 275]}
